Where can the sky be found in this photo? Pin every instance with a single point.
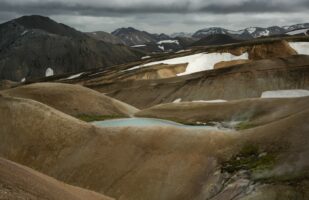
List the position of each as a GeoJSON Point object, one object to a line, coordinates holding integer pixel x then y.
{"type": "Point", "coordinates": [161, 16]}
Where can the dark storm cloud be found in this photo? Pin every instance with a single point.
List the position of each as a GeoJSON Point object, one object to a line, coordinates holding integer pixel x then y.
{"type": "Point", "coordinates": [257, 6]}
{"type": "Point", "coordinates": [103, 8]}
{"type": "Point", "coordinates": [182, 15]}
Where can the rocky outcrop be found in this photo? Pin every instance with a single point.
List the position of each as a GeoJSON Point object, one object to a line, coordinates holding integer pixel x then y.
{"type": "Point", "coordinates": [224, 64]}
{"type": "Point", "coordinates": [156, 72]}
{"type": "Point", "coordinates": [267, 50]}
{"type": "Point", "coordinates": [74, 100]}
{"type": "Point", "coordinates": [271, 50]}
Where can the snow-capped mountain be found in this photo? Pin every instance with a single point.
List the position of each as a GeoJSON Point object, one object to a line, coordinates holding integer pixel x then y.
{"type": "Point", "coordinates": [251, 32]}
{"type": "Point", "coordinates": [146, 41]}
{"type": "Point", "coordinates": [105, 37]}
{"type": "Point", "coordinates": [299, 32]}
{"type": "Point", "coordinates": [36, 46]}
{"type": "Point", "coordinates": [132, 37]}
{"type": "Point", "coordinates": [181, 34]}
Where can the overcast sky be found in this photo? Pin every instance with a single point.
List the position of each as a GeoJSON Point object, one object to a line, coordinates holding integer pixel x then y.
{"type": "Point", "coordinates": [158, 16]}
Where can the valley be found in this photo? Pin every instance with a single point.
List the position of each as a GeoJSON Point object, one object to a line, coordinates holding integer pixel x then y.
{"type": "Point", "coordinates": [131, 115]}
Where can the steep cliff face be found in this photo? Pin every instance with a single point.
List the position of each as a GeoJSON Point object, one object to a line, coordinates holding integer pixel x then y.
{"type": "Point", "coordinates": [34, 47]}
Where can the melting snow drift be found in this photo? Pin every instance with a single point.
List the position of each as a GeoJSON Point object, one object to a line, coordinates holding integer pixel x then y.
{"type": "Point", "coordinates": [75, 76]}
{"type": "Point", "coordinates": [304, 31]}
{"type": "Point", "coordinates": [177, 100]}
{"type": "Point", "coordinates": [49, 72]}
{"type": "Point", "coordinates": [140, 45]}
{"type": "Point", "coordinates": [285, 93]}
{"type": "Point", "coordinates": [168, 42]}
{"type": "Point", "coordinates": [210, 101]}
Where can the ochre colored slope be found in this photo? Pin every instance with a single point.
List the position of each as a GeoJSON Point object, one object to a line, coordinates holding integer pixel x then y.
{"type": "Point", "coordinates": [72, 99]}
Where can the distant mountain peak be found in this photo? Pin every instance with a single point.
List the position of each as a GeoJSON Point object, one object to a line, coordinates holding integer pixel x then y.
{"type": "Point", "coordinates": [250, 32]}
{"type": "Point", "coordinates": [46, 24]}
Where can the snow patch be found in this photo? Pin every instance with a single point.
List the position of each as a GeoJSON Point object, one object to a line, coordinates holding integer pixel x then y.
{"type": "Point", "coordinates": [236, 32]}
{"type": "Point", "coordinates": [251, 30]}
{"type": "Point", "coordinates": [140, 45]}
{"type": "Point", "coordinates": [210, 101]}
{"type": "Point", "coordinates": [75, 76]}
{"type": "Point", "coordinates": [285, 93]}
{"type": "Point", "coordinates": [181, 51]}
{"type": "Point", "coordinates": [49, 72]}
{"type": "Point", "coordinates": [168, 42]}
{"type": "Point", "coordinates": [177, 100]}
{"type": "Point", "coordinates": [23, 33]}
{"type": "Point", "coordinates": [264, 33]}
{"type": "Point", "coordinates": [300, 47]}
{"type": "Point", "coordinates": [203, 62]}
{"type": "Point", "coordinates": [302, 31]}
{"type": "Point", "coordinates": [197, 62]}
{"type": "Point", "coordinates": [145, 57]}
{"type": "Point", "coordinates": [161, 47]}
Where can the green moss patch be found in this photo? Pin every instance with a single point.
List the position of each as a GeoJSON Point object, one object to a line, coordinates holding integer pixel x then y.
{"type": "Point", "coordinates": [91, 118]}
{"type": "Point", "coordinates": [244, 125]}
{"type": "Point", "coordinates": [250, 159]}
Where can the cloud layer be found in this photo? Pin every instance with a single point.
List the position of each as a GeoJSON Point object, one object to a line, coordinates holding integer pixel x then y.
{"type": "Point", "coordinates": [161, 15]}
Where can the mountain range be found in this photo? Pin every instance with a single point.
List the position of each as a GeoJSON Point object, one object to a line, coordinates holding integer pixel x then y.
{"type": "Point", "coordinates": [162, 42]}
{"type": "Point", "coordinates": [251, 32]}
{"type": "Point", "coordinates": [36, 46]}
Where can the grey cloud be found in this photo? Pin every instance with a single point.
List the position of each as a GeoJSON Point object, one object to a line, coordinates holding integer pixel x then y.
{"type": "Point", "coordinates": [97, 8]}
{"type": "Point", "coordinates": [160, 15]}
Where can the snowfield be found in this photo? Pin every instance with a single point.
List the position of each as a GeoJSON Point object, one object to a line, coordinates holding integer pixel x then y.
{"type": "Point", "coordinates": [263, 33]}
{"type": "Point", "coordinates": [145, 57]}
{"type": "Point", "coordinates": [49, 72]}
{"type": "Point", "coordinates": [285, 93]}
{"type": "Point", "coordinates": [300, 47]}
{"type": "Point", "coordinates": [203, 61]}
{"type": "Point", "coordinates": [23, 33]}
{"type": "Point", "coordinates": [177, 100]}
{"type": "Point", "coordinates": [251, 30]}
{"type": "Point", "coordinates": [140, 45]}
{"type": "Point", "coordinates": [197, 62]}
{"type": "Point", "coordinates": [168, 42]}
{"type": "Point", "coordinates": [298, 32]}
{"type": "Point", "coordinates": [236, 32]}
{"type": "Point", "coordinates": [182, 51]}
{"type": "Point", "coordinates": [161, 47]}
{"type": "Point", "coordinates": [210, 101]}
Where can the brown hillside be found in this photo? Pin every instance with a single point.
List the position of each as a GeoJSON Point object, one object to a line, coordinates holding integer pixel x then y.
{"type": "Point", "coordinates": [164, 163]}
{"type": "Point", "coordinates": [72, 99]}
{"type": "Point", "coordinates": [18, 182]}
